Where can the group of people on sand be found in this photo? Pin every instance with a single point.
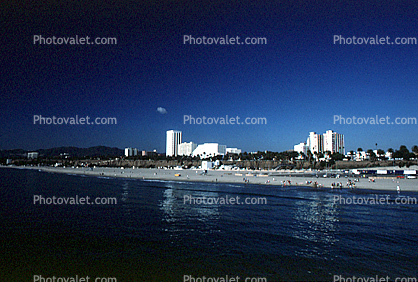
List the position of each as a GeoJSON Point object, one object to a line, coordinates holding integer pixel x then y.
{"type": "Point", "coordinates": [286, 182]}
{"type": "Point", "coordinates": [337, 185]}
{"type": "Point", "coordinates": [351, 184]}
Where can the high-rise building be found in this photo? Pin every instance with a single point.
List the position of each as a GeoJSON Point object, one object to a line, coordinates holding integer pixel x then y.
{"type": "Point", "coordinates": [321, 143]}
{"type": "Point", "coordinates": [128, 152]}
{"type": "Point", "coordinates": [172, 142]}
{"type": "Point", "coordinates": [315, 143]}
{"type": "Point", "coordinates": [334, 142]}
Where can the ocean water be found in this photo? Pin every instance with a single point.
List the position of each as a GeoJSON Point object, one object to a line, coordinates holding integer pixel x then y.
{"type": "Point", "coordinates": [152, 235]}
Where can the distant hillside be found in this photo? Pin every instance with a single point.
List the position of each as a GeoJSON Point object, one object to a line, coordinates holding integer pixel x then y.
{"type": "Point", "coordinates": [98, 151]}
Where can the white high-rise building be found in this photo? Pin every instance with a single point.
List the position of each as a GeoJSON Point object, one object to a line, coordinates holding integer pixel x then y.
{"type": "Point", "coordinates": [172, 142]}
{"type": "Point", "coordinates": [321, 143]}
{"type": "Point", "coordinates": [186, 149]}
{"type": "Point", "coordinates": [334, 142]}
{"type": "Point", "coordinates": [207, 150]}
{"type": "Point", "coordinates": [128, 152]}
{"type": "Point", "coordinates": [315, 143]}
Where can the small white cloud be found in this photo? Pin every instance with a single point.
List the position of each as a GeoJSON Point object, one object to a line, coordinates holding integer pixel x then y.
{"type": "Point", "coordinates": [161, 110]}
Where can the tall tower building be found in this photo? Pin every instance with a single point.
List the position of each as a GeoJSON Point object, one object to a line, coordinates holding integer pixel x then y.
{"type": "Point", "coordinates": [334, 142]}
{"type": "Point", "coordinates": [315, 142]}
{"type": "Point", "coordinates": [172, 143]}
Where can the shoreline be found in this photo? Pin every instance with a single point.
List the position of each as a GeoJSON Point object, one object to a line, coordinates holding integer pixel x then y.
{"type": "Point", "coordinates": [235, 177]}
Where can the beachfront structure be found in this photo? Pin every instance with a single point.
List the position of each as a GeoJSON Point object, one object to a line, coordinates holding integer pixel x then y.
{"type": "Point", "coordinates": [33, 155]}
{"type": "Point", "coordinates": [301, 148]}
{"type": "Point", "coordinates": [334, 142]}
{"type": "Point", "coordinates": [233, 151]}
{"type": "Point", "coordinates": [208, 150]}
{"type": "Point", "coordinates": [130, 152]}
{"type": "Point", "coordinates": [207, 165]}
{"type": "Point", "coordinates": [186, 149]}
{"type": "Point", "coordinates": [172, 142]}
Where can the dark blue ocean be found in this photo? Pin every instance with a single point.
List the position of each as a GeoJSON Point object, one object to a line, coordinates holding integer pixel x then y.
{"type": "Point", "coordinates": [151, 235]}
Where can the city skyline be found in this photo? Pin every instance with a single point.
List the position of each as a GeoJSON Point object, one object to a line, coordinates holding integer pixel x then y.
{"type": "Point", "coordinates": [153, 77]}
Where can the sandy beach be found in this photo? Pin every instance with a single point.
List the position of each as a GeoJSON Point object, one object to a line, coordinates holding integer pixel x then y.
{"type": "Point", "coordinates": [243, 177]}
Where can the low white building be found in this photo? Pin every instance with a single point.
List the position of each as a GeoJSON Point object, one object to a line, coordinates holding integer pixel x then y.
{"type": "Point", "coordinates": [208, 150]}
{"type": "Point", "coordinates": [33, 155]}
{"type": "Point", "coordinates": [186, 149]}
{"type": "Point", "coordinates": [233, 151]}
{"type": "Point", "coordinates": [361, 156]}
{"type": "Point", "coordinates": [207, 165]}
{"type": "Point", "coordinates": [226, 167]}
{"type": "Point", "coordinates": [301, 148]}
{"type": "Point", "coordinates": [129, 152]}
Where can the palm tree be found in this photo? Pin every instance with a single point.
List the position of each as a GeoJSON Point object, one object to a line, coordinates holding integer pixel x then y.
{"type": "Point", "coordinates": [309, 153]}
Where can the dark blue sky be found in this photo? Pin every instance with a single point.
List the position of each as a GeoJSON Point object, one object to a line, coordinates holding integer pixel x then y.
{"type": "Point", "coordinates": [298, 81]}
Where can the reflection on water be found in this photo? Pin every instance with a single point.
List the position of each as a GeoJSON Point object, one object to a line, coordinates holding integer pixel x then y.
{"type": "Point", "coordinates": [181, 219]}
{"type": "Point", "coordinates": [177, 208]}
{"type": "Point", "coordinates": [315, 221]}
{"type": "Point", "coordinates": [125, 191]}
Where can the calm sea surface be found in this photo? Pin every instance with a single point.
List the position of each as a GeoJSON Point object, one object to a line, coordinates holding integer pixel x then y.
{"type": "Point", "coordinates": [151, 235]}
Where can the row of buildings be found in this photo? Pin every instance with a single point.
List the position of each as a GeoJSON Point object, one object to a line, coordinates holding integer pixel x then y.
{"type": "Point", "coordinates": [131, 152]}
{"type": "Point", "coordinates": [175, 147]}
{"type": "Point", "coordinates": [320, 143]}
